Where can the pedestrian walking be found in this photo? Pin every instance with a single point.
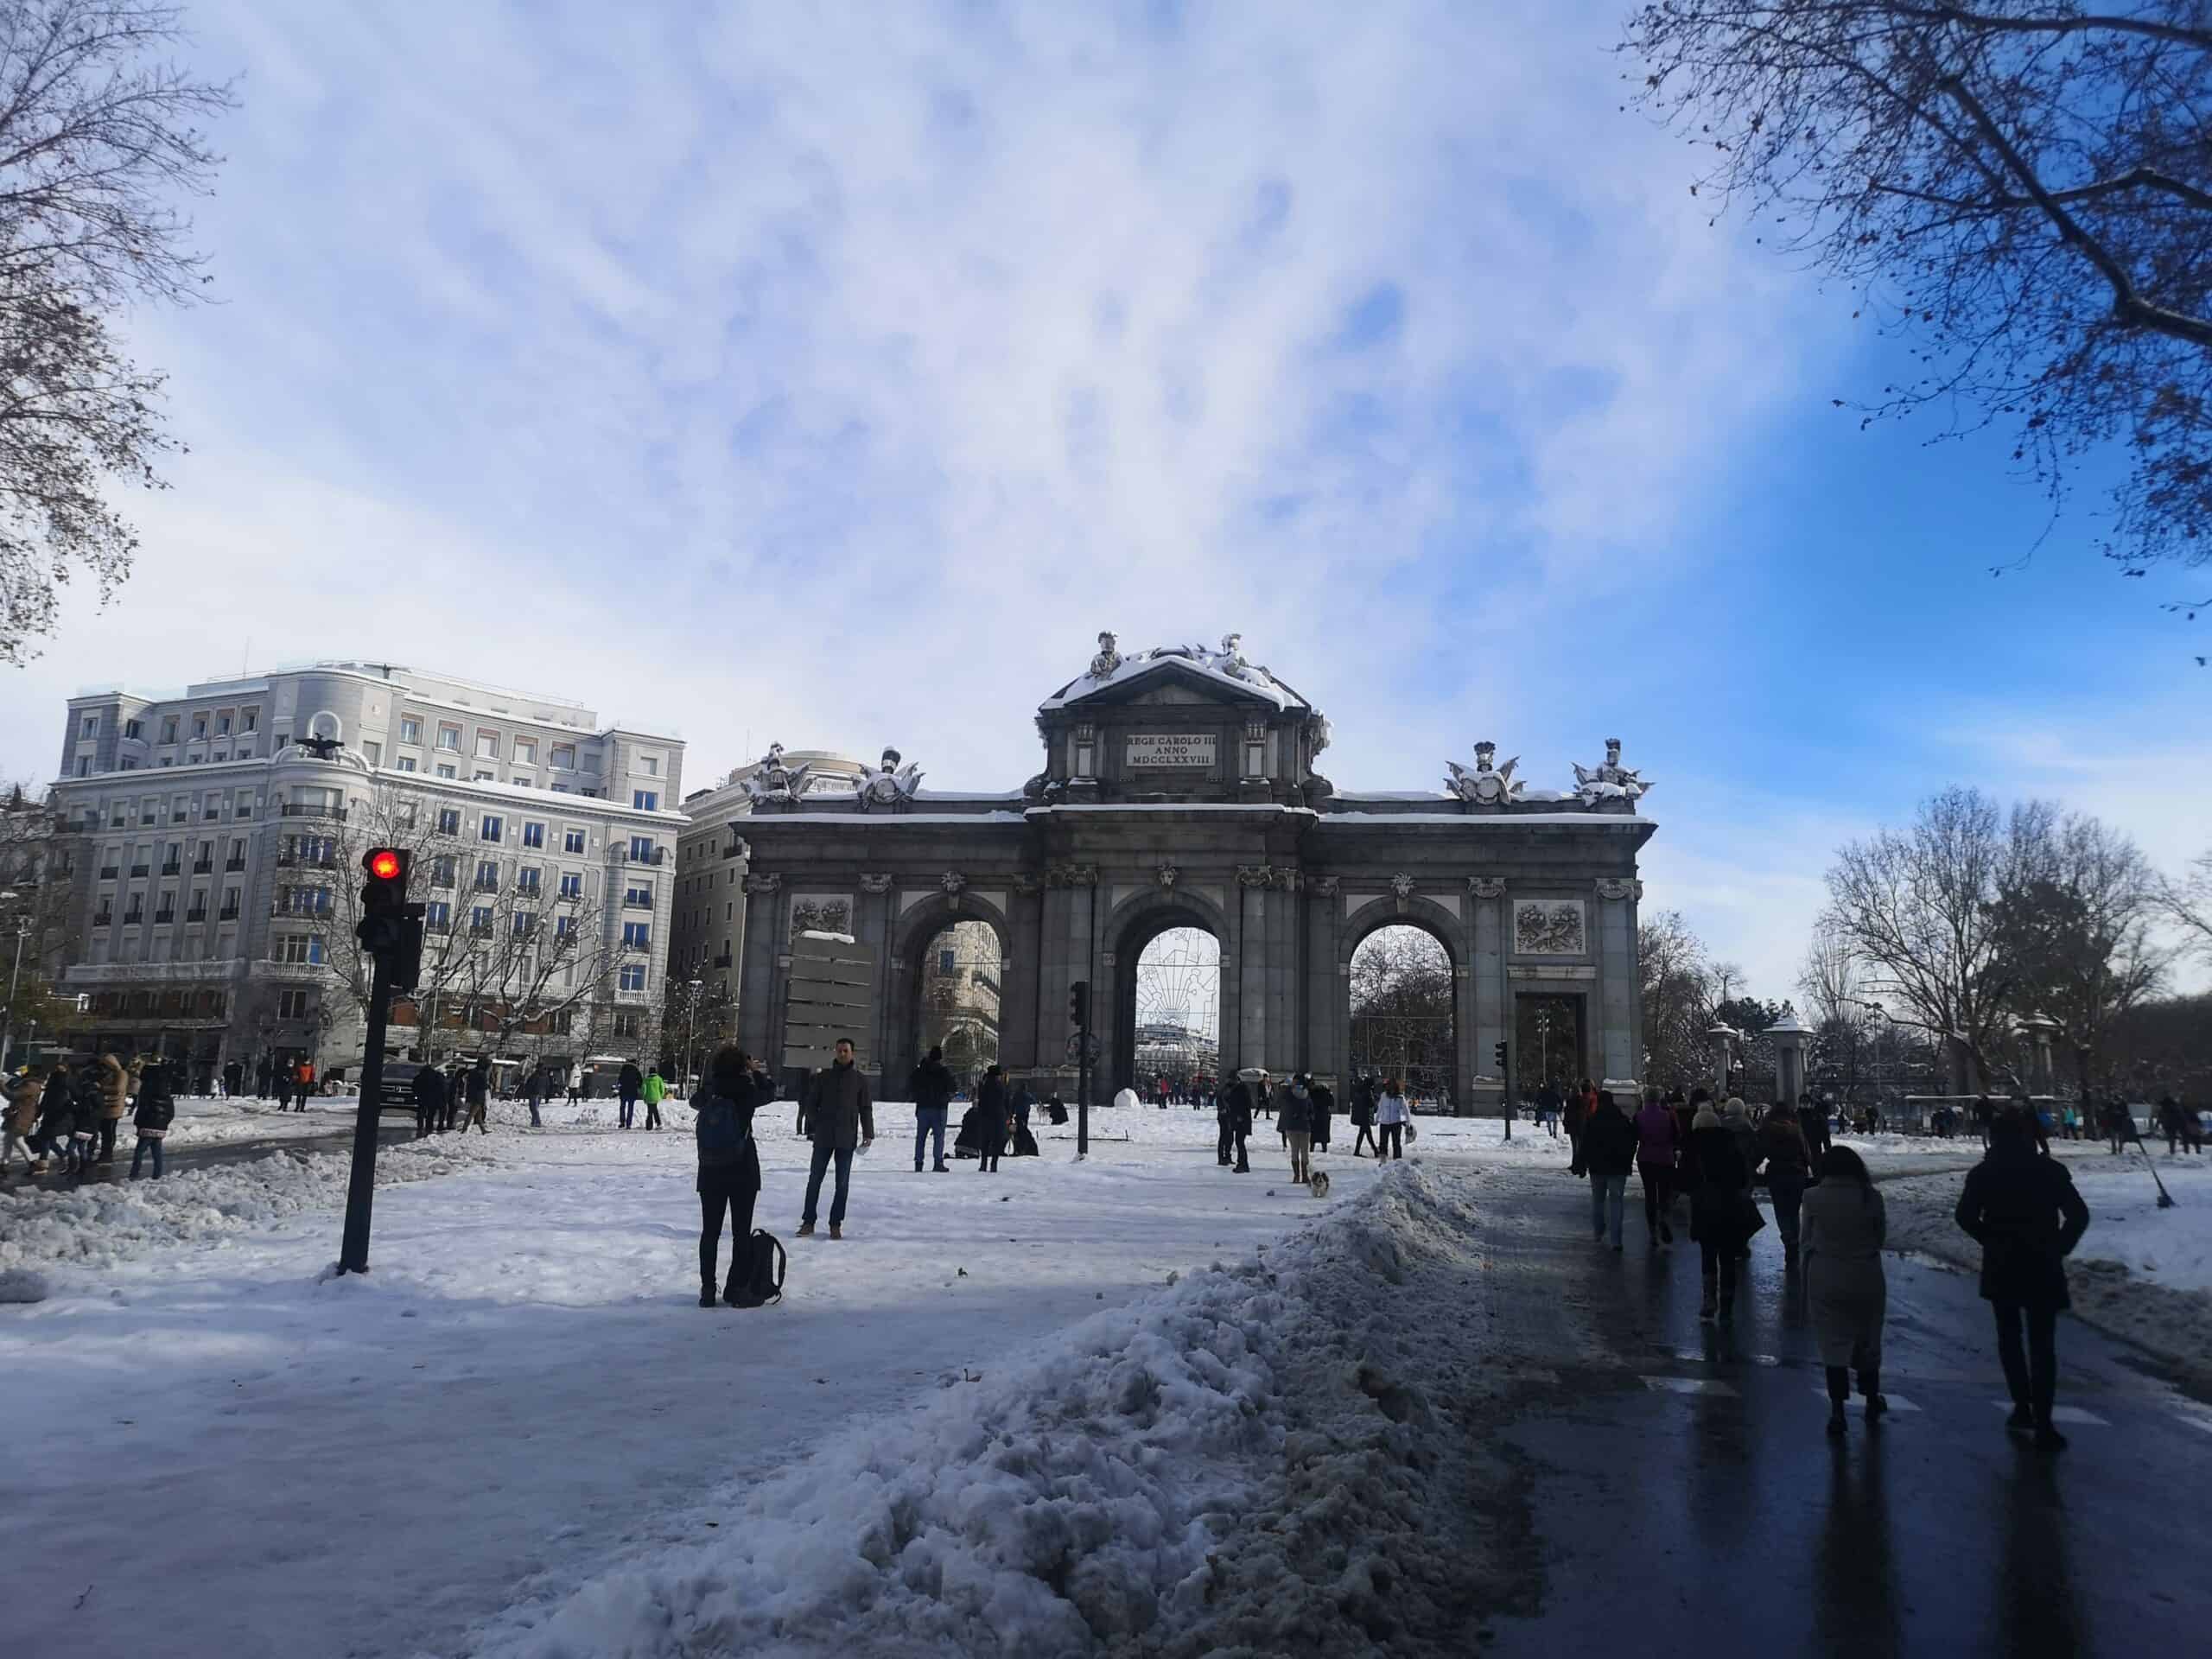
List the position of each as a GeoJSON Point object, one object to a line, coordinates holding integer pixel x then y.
{"type": "Point", "coordinates": [2025, 1213]}
{"type": "Point", "coordinates": [1575, 1114]}
{"type": "Point", "coordinates": [1609, 1142]}
{"type": "Point", "coordinates": [233, 1079]}
{"type": "Point", "coordinates": [531, 1089]}
{"type": "Point", "coordinates": [479, 1092]}
{"type": "Point", "coordinates": [1239, 1107]}
{"type": "Point", "coordinates": [456, 1093]}
{"type": "Point", "coordinates": [1780, 1148]}
{"type": "Point", "coordinates": [20, 1122]}
{"type": "Point", "coordinates": [1363, 1117]}
{"type": "Point", "coordinates": [56, 1117]}
{"type": "Point", "coordinates": [283, 1085]}
{"type": "Point", "coordinates": [87, 1110]}
{"type": "Point", "coordinates": [429, 1087]}
{"type": "Point", "coordinates": [151, 1114]}
{"type": "Point", "coordinates": [1984, 1113]}
{"type": "Point", "coordinates": [264, 1075]}
{"type": "Point", "coordinates": [303, 1085]}
{"type": "Point", "coordinates": [1736, 1118]}
{"type": "Point", "coordinates": [1324, 1111]}
{"type": "Point", "coordinates": [1722, 1215]}
{"type": "Point", "coordinates": [931, 1084]}
{"type": "Point", "coordinates": [115, 1100]}
{"type": "Point", "coordinates": [839, 1118]}
{"type": "Point", "coordinates": [1813, 1124]}
{"type": "Point", "coordinates": [2179, 1126]}
{"type": "Point", "coordinates": [995, 1099]}
{"type": "Point", "coordinates": [734, 1088]}
{"type": "Point", "coordinates": [627, 1083]}
{"type": "Point", "coordinates": [652, 1091]}
{"type": "Point", "coordinates": [1391, 1115]}
{"type": "Point", "coordinates": [1294, 1110]}
{"type": "Point", "coordinates": [1845, 1227]}
{"type": "Point", "coordinates": [1658, 1147]}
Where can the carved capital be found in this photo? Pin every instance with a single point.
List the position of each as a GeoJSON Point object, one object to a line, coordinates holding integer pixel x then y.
{"type": "Point", "coordinates": [770, 882]}
{"type": "Point", "coordinates": [1276, 876]}
{"type": "Point", "coordinates": [1025, 883]}
{"type": "Point", "coordinates": [875, 883]}
{"type": "Point", "coordinates": [952, 881]}
{"type": "Point", "coordinates": [1328, 886]}
{"type": "Point", "coordinates": [1616, 887]}
{"type": "Point", "coordinates": [1071, 875]}
{"type": "Point", "coordinates": [1486, 886]}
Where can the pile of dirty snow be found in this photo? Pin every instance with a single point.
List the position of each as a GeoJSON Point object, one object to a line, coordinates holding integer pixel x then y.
{"type": "Point", "coordinates": [103, 1223]}
{"type": "Point", "coordinates": [1268, 1457]}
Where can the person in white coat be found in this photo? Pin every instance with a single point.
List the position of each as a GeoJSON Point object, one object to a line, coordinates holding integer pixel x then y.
{"type": "Point", "coordinates": [1842, 1229]}
{"type": "Point", "coordinates": [1391, 1116]}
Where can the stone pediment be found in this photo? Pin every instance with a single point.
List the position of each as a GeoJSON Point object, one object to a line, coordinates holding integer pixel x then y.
{"type": "Point", "coordinates": [1175, 680]}
{"type": "Point", "coordinates": [1176, 693]}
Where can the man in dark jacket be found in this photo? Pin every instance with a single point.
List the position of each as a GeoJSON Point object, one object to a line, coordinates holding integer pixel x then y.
{"type": "Point", "coordinates": [839, 1118]}
{"type": "Point", "coordinates": [1324, 1109]}
{"type": "Point", "coordinates": [933, 1087]}
{"type": "Point", "coordinates": [729, 1164]}
{"type": "Point", "coordinates": [428, 1088]}
{"type": "Point", "coordinates": [479, 1093]}
{"type": "Point", "coordinates": [2023, 1211]}
{"type": "Point", "coordinates": [1813, 1127]}
{"type": "Point", "coordinates": [1575, 1112]}
{"type": "Point", "coordinates": [626, 1085]}
{"type": "Point", "coordinates": [1239, 1107]}
{"type": "Point", "coordinates": [152, 1113]}
{"type": "Point", "coordinates": [233, 1079]}
{"type": "Point", "coordinates": [1609, 1144]}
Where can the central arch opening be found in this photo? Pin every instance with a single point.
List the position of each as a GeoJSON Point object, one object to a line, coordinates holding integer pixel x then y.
{"type": "Point", "coordinates": [1170, 1015]}
{"type": "Point", "coordinates": [1401, 1012]}
{"type": "Point", "coordinates": [959, 996]}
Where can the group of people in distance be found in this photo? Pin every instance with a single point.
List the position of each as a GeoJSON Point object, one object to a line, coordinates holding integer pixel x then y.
{"type": "Point", "coordinates": [2019, 1204]}
{"type": "Point", "coordinates": [71, 1115]}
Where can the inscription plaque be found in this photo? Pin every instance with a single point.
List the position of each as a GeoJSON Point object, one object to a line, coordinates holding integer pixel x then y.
{"type": "Point", "coordinates": [1156, 751]}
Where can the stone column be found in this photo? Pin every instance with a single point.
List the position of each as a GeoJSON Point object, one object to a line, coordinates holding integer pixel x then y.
{"type": "Point", "coordinates": [757, 985]}
{"type": "Point", "coordinates": [1723, 1042]}
{"type": "Point", "coordinates": [1328, 993]}
{"type": "Point", "coordinates": [1617, 987]}
{"type": "Point", "coordinates": [2043, 1078]}
{"type": "Point", "coordinates": [1489, 1000]}
{"type": "Point", "coordinates": [872, 917]}
{"type": "Point", "coordinates": [1790, 1034]}
{"type": "Point", "coordinates": [1020, 1023]}
{"type": "Point", "coordinates": [1249, 1042]}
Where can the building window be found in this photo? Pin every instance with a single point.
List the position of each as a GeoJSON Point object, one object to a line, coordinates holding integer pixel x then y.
{"type": "Point", "coordinates": [407, 763]}
{"type": "Point", "coordinates": [294, 1004]}
{"type": "Point", "coordinates": [634, 977]}
{"type": "Point", "coordinates": [645, 800]}
{"type": "Point", "coordinates": [132, 728]}
{"type": "Point", "coordinates": [639, 898]}
{"type": "Point", "coordinates": [447, 772]}
{"type": "Point", "coordinates": [199, 728]}
{"type": "Point", "coordinates": [450, 738]}
{"type": "Point", "coordinates": [533, 835]}
{"type": "Point", "coordinates": [487, 745]}
{"type": "Point", "coordinates": [479, 919]}
{"type": "Point", "coordinates": [448, 820]}
{"type": "Point", "coordinates": [641, 849]}
{"type": "Point", "coordinates": [90, 727]}
{"type": "Point", "coordinates": [492, 829]}
{"type": "Point", "coordinates": [563, 755]}
{"type": "Point", "coordinates": [526, 881]}
{"type": "Point", "coordinates": [83, 766]}
{"type": "Point", "coordinates": [222, 725]}
{"type": "Point", "coordinates": [525, 751]}
{"type": "Point", "coordinates": [564, 927]}
{"type": "Point", "coordinates": [442, 868]}
{"type": "Point", "coordinates": [947, 963]}
{"type": "Point", "coordinates": [637, 936]}
{"type": "Point", "coordinates": [482, 775]}
{"type": "Point", "coordinates": [526, 923]}
{"type": "Point", "coordinates": [488, 875]}
{"type": "Point", "coordinates": [572, 841]}
{"type": "Point", "coordinates": [410, 729]}
{"type": "Point", "coordinates": [373, 752]}
{"type": "Point", "coordinates": [572, 884]}
{"type": "Point", "coordinates": [168, 729]}
{"type": "Point", "coordinates": [650, 765]}
{"type": "Point", "coordinates": [250, 721]}
{"type": "Point", "coordinates": [438, 916]}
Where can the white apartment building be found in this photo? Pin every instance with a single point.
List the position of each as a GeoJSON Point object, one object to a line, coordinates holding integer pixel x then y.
{"type": "Point", "coordinates": [202, 844]}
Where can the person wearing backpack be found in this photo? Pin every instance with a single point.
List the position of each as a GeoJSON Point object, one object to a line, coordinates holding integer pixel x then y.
{"type": "Point", "coordinates": [729, 1165]}
{"type": "Point", "coordinates": [653, 1092]}
{"type": "Point", "coordinates": [155, 1110]}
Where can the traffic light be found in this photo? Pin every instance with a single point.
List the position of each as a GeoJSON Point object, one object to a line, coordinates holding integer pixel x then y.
{"type": "Point", "coordinates": [1079, 1005]}
{"type": "Point", "coordinates": [390, 929]}
{"type": "Point", "coordinates": [1500, 1051]}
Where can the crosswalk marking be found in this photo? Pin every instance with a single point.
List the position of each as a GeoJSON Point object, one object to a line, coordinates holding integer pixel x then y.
{"type": "Point", "coordinates": [1689, 1385]}
{"type": "Point", "coordinates": [1897, 1401]}
{"type": "Point", "coordinates": [2073, 1414]}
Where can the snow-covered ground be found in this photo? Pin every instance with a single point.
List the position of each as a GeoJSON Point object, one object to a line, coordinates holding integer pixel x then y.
{"type": "Point", "coordinates": [524, 1391]}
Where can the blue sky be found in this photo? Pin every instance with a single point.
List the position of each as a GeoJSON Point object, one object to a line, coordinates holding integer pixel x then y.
{"type": "Point", "coordinates": [834, 377]}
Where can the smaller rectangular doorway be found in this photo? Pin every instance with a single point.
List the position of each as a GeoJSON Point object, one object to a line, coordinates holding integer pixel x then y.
{"type": "Point", "coordinates": [1550, 1039]}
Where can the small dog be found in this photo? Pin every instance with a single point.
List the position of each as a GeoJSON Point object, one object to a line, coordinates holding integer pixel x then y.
{"type": "Point", "coordinates": [1317, 1183]}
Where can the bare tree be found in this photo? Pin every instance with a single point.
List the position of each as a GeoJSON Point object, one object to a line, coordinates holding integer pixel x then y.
{"type": "Point", "coordinates": [2023, 184]}
{"type": "Point", "coordinates": [1915, 907]}
{"type": "Point", "coordinates": [96, 141]}
{"type": "Point", "coordinates": [2074, 931]}
{"type": "Point", "coordinates": [2188, 905]}
{"type": "Point", "coordinates": [1833, 981]}
{"type": "Point", "coordinates": [1679, 995]}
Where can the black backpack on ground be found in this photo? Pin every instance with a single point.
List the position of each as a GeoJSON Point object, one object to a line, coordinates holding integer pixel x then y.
{"type": "Point", "coordinates": [762, 1280]}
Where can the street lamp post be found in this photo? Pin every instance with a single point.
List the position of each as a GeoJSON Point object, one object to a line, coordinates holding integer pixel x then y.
{"type": "Point", "coordinates": [692, 1030]}
{"type": "Point", "coordinates": [7, 1021]}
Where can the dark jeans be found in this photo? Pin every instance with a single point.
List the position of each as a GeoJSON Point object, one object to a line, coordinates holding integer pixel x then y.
{"type": "Point", "coordinates": [1719, 1268]}
{"type": "Point", "coordinates": [535, 1121]}
{"type": "Point", "coordinates": [140, 1152]}
{"type": "Point", "coordinates": [447, 1113]}
{"type": "Point", "coordinates": [652, 1115]}
{"type": "Point", "coordinates": [1789, 1195]}
{"type": "Point", "coordinates": [1366, 1138]}
{"type": "Point", "coordinates": [824, 1153]}
{"type": "Point", "coordinates": [1574, 1150]}
{"type": "Point", "coordinates": [1870, 1383]}
{"type": "Point", "coordinates": [108, 1127]}
{"type": "Point", "coordinates": [929, 1124]}
{"type": "Point", "coordinates": [2033, 1376]}
{"type": "Point", "coordinates": [712, 1203]}
{"type": "Point", "coordinates": [1392, 1136]}
{"type": "Point", "coordinates": [1658, 1193]}
{"type": "Point", "coordinates": [1222, 1140]}
{"type": "Point", "coordinates": [994, 1148]}
{"type": "Point", "coordinates": [629, 1110]}
{"type": "Point", "coordinates": [1243, 1164]}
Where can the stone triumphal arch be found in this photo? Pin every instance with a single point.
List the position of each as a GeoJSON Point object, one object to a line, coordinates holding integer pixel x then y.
{"type": "Point", "coordinates": [1179, 790]}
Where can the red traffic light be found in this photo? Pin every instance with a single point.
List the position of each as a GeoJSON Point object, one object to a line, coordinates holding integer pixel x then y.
{"type": "Point", "coordinates": [384, 864]}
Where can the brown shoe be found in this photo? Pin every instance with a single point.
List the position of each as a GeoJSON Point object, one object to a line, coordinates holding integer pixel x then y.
{"type": "Point", "coordinates": [836, 1230]}
{"type": "Point", "coordinates": [806, 1229]}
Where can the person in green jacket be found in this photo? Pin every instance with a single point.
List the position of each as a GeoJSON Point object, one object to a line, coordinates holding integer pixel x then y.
{"type": "Point", "coordinates": [654, 1092]}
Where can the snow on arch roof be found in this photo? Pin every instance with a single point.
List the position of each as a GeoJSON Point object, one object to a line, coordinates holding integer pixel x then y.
{"type": "Point", "coordinates": [1227, 665]}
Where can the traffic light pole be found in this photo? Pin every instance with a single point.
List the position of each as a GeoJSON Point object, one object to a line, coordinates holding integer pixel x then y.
{"type": "Point", "coordinates": [360, 1188]}
{"type": "Point", "coordinates": [1082, 1085]}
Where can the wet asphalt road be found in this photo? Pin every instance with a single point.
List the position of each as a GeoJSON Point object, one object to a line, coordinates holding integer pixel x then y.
{"type": "Point", "coordinates": [392, 1129]}
{"type": "Point", "coordinates": [1687, 1500]}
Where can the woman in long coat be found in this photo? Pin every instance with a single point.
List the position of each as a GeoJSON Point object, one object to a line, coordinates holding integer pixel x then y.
{"type": "Point", "coordinates": [1843, 1226]}
{"type": "Point", "coordinates": [1721, 1212]}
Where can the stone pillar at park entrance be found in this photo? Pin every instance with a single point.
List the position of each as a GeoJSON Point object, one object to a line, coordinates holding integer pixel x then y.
{"type": "Point", "coordinates": [1790, 1034]}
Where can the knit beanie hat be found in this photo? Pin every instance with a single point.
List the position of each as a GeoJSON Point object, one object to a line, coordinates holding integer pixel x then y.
{"type": "Point", "coordinates": [1705, 1119]}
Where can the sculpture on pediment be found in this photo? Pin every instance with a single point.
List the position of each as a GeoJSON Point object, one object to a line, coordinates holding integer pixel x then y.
{"type": "Point", "coordinates": [773, 781]}
{"type": "Point", "coordinates": [1109, 658]}
{"type": "Point", "coordinates": [1487, 784]}
{"type": "Point", "coordinates": [1610, 780]}
{"type": "Point", "coordinates": [888, 785]}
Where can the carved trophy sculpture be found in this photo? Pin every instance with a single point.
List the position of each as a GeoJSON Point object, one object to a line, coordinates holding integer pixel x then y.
{"type": "Point", "coordinates": [1609, 781]}
{"type": "Point", "coordinates": [888, 785]}
{"type": "Point", "coordinates": [776, 784]}
{"type": "Point", "coordinates": [1108, 659]}
{"type": "Point", "coordinates": [1486, 785]}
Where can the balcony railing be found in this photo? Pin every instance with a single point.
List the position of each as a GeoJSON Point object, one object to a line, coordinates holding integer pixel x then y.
{"type": "Point", "coordinates": [141, 869]}
{"type": "Point", "coordinates": [105, 918]}
{"type": "Point", "coordinates": [629, 903]}
{"type": "Point", "coordinates": [197, 914]}
{"type": "Point", "coordinates": [109, 871]}
{"type": "Point", "coordinates": [479, 930]}
{"type": "Point", "coordinates": [228, 913]}
{"type": "Point", "coordinates": [282, 907]}
{"type": "Point", "coordinates": [307, 860]}
{"type": "Point", "coordinates": [160, 916]}
{"type": "Point", "coordinates": [172, 869]}
{"type": "Point", "coordinates": [437, 927]}
{"type": "Point", "coordinates": [303, 810]}
{"type": "Point", "coordinates": [632, 856]}
{"type": "Point", "coordinates": [487, 883]}
{"type": "Point", "coordinates": [203, 867]}
{"type": "Point", "coordinates": [243, 812]}
{"type": "Point", "coordinates": [444, 880]}
{"type": "Point", "coordinates": [133, 916]}
{"type": "Point", "coordinates": [211, 812]}
{"type": "Point", "coordinates": [234, 865]}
